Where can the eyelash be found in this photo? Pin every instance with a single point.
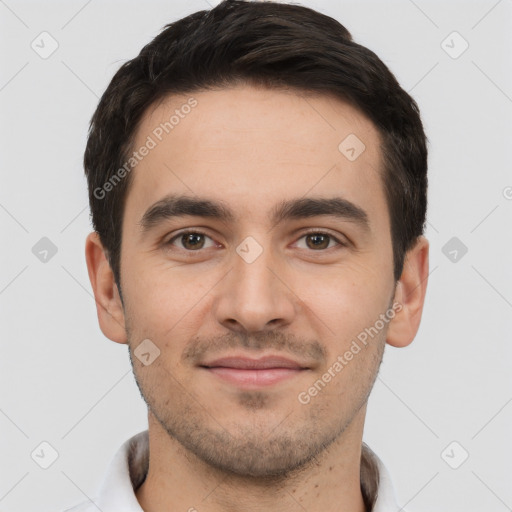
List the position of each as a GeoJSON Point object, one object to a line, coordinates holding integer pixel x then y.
{"type": "Point", "coordinates": [309, 232]}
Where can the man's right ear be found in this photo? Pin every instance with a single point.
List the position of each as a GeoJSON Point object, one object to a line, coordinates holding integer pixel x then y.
{"type": "Point", "coordinates": [108, 301]}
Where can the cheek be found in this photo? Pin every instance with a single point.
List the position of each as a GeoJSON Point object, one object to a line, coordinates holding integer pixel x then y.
{"type": "Point", "coordinates": [344, 308]}
{"type": "Point", "coordinates": [166, 304]}
{"type": "Point", "coordinates": [351, 293]}
{"type": "Point", "coordinates": [155, 287]}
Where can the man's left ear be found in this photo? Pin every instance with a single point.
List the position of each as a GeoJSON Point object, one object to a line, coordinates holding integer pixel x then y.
{"type": "Point", "coordinates": [410, 294]}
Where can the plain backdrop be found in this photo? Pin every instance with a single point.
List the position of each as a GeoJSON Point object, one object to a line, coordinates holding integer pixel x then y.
{"type": "Point", "coordinates": [445, 398]}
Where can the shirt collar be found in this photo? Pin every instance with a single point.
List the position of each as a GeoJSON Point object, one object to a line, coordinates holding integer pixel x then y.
{"type": "Point", "coordinates": [128, 469]}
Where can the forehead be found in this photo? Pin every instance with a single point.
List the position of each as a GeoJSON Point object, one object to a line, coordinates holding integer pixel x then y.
{"type": "Point", "coordinates": [254, 147]}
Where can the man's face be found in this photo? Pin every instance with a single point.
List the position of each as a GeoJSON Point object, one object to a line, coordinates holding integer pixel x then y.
{"type": "Point", "coordinates": [223, 303]}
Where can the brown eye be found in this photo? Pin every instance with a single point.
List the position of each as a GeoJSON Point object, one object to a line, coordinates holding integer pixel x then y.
{"type": "Point", "coordinates": [190, 240]}
{"type": "Point", "coordinates": [318, 241]}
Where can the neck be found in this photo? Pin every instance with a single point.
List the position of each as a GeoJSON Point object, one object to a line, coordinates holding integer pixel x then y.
{"type": "Point", "coordinates": [343, 478]}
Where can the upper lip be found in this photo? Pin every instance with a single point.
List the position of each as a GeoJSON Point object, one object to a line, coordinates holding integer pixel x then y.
{"type": "Point", "coordinates": [247, 363]}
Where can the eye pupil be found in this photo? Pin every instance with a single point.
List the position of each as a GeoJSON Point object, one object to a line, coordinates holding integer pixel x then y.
{"type": "Point", "coordinates": [192, 239]}
{"type": "Point", "coordinates": [319, 241]}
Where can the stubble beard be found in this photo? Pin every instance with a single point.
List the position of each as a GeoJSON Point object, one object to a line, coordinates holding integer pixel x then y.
{"type": "Point", "coordinates": [259, 449]}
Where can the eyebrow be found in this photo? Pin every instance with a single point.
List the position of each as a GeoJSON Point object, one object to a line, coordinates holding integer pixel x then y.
{"type": "Point", "coordinates": [176, 206]}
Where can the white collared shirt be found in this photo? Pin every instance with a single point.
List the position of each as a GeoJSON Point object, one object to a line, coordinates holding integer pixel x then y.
{"type": "Point", "coordinates": [128, 468]}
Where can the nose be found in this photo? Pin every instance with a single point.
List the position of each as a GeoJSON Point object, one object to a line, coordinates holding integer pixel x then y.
{"type": "Point", "coordinates": [255, 295]}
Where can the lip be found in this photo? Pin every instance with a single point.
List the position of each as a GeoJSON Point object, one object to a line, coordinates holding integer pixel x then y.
{"type": "Point", "coordinates": [252, 373]}
{"type": "Point", "coordinates": [247, 363]}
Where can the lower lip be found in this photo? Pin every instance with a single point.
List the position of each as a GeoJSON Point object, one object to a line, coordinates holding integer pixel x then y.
{"type": "Point", "coordinates": [254, 378]}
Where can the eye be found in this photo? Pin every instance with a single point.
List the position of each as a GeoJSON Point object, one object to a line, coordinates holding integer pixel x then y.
{"type": "Point", "coordinates": [195, 240]}
{"type": "Point", "coordinates": [191, 240]}
{"type": "Point", "coordinates": [319, 240]}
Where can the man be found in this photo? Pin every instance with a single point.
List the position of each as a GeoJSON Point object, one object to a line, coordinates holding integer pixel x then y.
{"type": "Point", "coordinates": [258, 193]}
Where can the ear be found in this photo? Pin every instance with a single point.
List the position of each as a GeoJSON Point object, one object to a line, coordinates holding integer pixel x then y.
{"type": "Point", "coordinates": [108, 302]}
{"type": "Point", "coordinates": [410, 294]}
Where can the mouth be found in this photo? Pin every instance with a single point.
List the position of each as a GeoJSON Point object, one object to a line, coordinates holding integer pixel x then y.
{"type": "Point", "coordinates": [253, 373]}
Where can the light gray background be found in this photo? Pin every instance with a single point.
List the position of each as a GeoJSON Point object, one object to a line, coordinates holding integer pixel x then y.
{"type": "Point", "coordinates": [64, 383]}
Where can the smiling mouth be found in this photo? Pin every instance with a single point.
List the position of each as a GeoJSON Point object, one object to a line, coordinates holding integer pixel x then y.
{"type": "Point", "coordinates": [253, 373]}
